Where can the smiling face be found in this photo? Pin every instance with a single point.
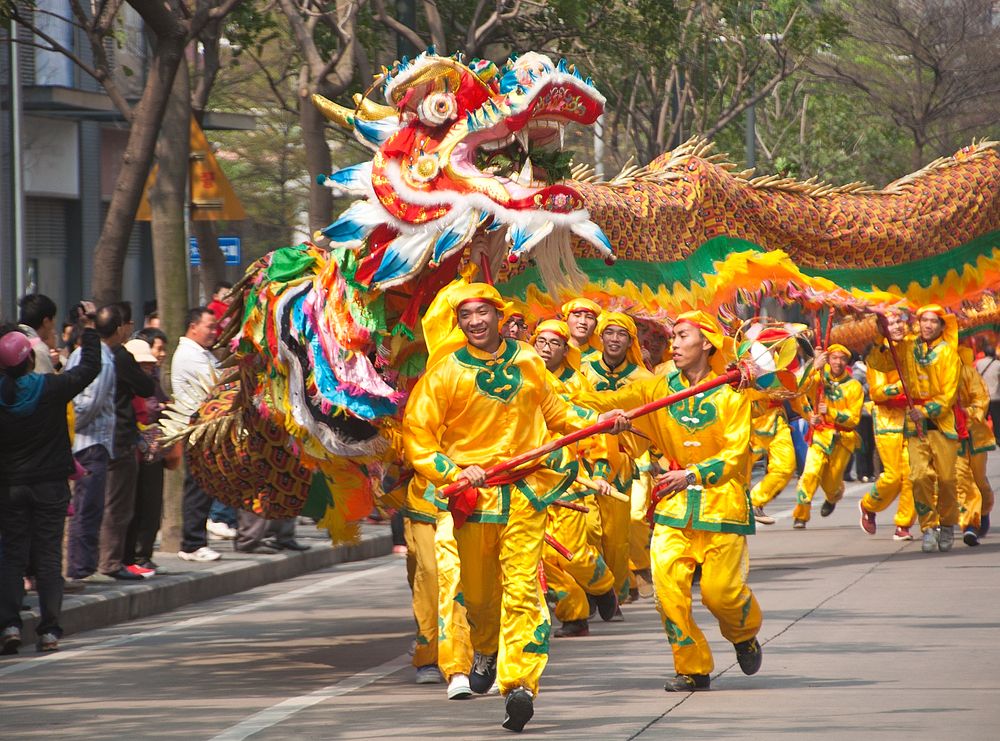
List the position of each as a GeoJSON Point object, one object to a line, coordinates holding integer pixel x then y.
{"type": "Point", "coordinates": [690, 348]}
{"type": "Point", "coordinates": [552, 349]}
{"type": "Point", "coordinates": [931, 326]}
{"type": "Point", "coordinates": [582, 324]}
{"type": "Point", "coordinates": [838, 364]}
{"type": "Point", "coordinates": [616, 341]}
{"type": "Point", "coordinates": [480, 322]}
{"type": "Point", "coordinates": [896, 325]}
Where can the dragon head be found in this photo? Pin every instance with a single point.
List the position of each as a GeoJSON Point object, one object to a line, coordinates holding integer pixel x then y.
{"type": "Point", "coordinates": [459, 148]}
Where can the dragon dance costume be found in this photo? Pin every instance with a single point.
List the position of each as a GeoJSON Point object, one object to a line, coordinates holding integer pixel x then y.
{"type": "Point", "coordinates": [833, 440]}
{"type": "Point", "coordinates": [931, 371]}
{"type": "Point", "coordinates": [480, 408]}
{"type": "Point", "coordinates": [706, 524]}
{"type": "Point", "coordinates": [622, 539]}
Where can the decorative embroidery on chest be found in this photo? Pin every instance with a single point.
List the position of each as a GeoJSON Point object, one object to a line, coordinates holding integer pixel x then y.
{"type": "Point", "coordinates": [499, 380]}
{"type": "Point", "coordinates": [694, 413]}
{"type": "Point", "coordinates": [833, 391]}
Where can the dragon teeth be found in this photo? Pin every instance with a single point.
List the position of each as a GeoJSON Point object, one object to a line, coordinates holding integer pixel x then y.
{"type": "Point", "coordinates": [525, 176]}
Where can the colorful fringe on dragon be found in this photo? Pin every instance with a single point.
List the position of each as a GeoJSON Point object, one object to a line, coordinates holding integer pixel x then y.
{"type": "Point", "coordinates": [326, 338]}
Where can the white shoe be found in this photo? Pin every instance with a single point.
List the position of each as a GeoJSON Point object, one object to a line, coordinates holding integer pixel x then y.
{"type": "Point", "coordinates": [458, 687]}
{"type": "Point", "coordinates": [220, 530]}
{"type": "Point", "coordinates": [202, 554]}
{"type": "Point", "coordinates": [429, 674]}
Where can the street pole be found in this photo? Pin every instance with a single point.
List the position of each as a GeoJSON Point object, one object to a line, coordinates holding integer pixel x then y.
{"type": "Point", "coordinates": [751, 136]}
{"type": "Point", "coordinates": [17, 173]}
{"type": "Point", "coordinates": [599, 147]}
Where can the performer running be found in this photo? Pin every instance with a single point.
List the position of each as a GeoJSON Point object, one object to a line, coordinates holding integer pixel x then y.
{"type": "Point", "coordinates": [931, 370]}
{"type": "Point", "coordinates": [771, 436]}
{"type": "Point", "coordinates": [889, 416]}
{"type": "Point", "coordinates": [587, 573]}
{"type": "Point", "coordinates": [833, 436]}
{"type": "Point", "coordinates": [975, 495]}
{"type": "Point", "coordinates": [480, 405]}
{"type": "Point", "coordinates": [623, 540]}
{"type": "Point", "coordinates": [704, 515]}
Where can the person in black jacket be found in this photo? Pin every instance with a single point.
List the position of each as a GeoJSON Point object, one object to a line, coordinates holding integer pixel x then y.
{"type": "Point", "coordinates": [35, 464]}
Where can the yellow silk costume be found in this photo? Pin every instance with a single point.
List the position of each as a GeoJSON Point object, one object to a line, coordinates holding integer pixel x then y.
{"type": "Point", "coordinates": [771, 435]}
{"type": "Point", "coordinates": [975, 495]}
{"type": "Point", "coordinates": [931, 373]}
{"type": "Point", "coordinates": [479, 408]}
{"type": "Point", "coordinates": [709, 436]}
{"type": "Point", "coordinates": [833, 441]}
{"type": "Point", "coordinates": [888, 418]}
{"type": "Point", "coordinates": [618, 530]}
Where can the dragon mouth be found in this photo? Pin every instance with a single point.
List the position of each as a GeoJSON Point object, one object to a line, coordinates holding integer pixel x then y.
{"type": "Point", "coordinates": [524, 150]}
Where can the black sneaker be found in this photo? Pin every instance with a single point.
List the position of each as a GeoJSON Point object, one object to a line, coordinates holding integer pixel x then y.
{"type": "Point", "coordinates": [592, 603]}
{"type": "Point", "coordinates": [970, 537]}
{"type": "Point", "coordinates": [749, 654]}
{"type": "Point", "coordinates": [10, 640]}
{"type": "Point", "coordinates": [573, 629]}
{"type": "Point", "coordinates": [484, 673]}
{"type": "Point", "coordinates": [607, 605]}
{"type": "Point", "coordinates": [688, 683]}
{"type": "Point", "coordinates": [827, 509]}
{"type": "Point", "coordinates": [520, 708]}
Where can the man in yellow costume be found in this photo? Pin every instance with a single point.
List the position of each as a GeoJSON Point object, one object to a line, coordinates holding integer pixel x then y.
{"type": "Point", "coordinates": [975, 495]}
{"type": "Point", "coordinates": [773, 437]}
{"type": "Point", "coordinates": [890, 403]}
{"type": "Point", "coordinates": [931, 370]}
{"type": "Point", "coordinates": [587, 573]}
{"type": "Point", "coordinates": [833, 437]}
{"type": "Point", "coordinates": [624, 538]}
{"type": "Point", "coordinates": [478, 406]}
{"type": "Point", "coordinates": [704, 514]}
{"type": "Point", "coordinates": [581, 315]}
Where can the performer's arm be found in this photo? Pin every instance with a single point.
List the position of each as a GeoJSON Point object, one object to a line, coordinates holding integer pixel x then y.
{"type": "Point", "coordinates": [854, 396]}
{"type": "Point", "coordinates": [423, 421]}
{"type": "Point", "coordinates": [945, 373]}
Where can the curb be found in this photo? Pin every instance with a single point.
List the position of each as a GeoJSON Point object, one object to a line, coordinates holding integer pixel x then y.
{"type": "Point", "coordinates": [121, 602]}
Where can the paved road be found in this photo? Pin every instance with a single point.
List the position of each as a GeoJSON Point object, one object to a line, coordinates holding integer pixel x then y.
{"type": "Point", "coordinates": [863, 638]}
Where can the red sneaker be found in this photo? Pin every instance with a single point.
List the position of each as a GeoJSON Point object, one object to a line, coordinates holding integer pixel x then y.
{"type": "Point", "coordinates": [140, 571]}
{"type": "Point", "coordinates": [867, 519]}
{"type": "Point", "coordinates": [902, 533]}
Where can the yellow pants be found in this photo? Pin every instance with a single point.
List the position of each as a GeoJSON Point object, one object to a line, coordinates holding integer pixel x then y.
{"type": "Point", "coordinates": [615, 529]}
{"type": "Point", "coordinates": [893, 481]}
{"type": "Point", "coordinates": [821, 469]}
{"type": "Point", "coordinates": [639, 531]}
{"type": "Point", "coordinates": [933, 458]}
{"type": "Point", "coordinates": [725, 562]}
{"type": "Point", "coordinates": [594, 532]}
{"type": "Point", "coordinates": [573, 580]}
{"type": "Point", "coordinates": [975, 495]}
{"type": "Point", "coordinates": [442, 628]}
{"type": "Point", "coordinates": [780, 464]}
{"type": "Point", "coordinates": [506, 607]}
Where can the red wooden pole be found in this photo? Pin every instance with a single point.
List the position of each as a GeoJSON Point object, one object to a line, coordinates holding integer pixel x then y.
{"type": "Point", "coordinates": [730, 377]}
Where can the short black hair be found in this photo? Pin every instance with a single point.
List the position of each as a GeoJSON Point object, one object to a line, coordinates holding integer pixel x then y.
{"type": "Point", "coordinates": [35, 309]}
{"type": "Point", "coordinates": [219, 285]}
{"type": "Point", "coordinates": [125, 307]}
{"type": "Point", "coordinates": [151, 334]}
{"type": "Point", "coordinates": [194, 315]}
{"type": "Point", "coordinates": [108, 321]}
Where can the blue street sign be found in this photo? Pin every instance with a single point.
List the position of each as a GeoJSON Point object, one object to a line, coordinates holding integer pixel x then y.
{"type": "Point", "coordinates": [230, 246]}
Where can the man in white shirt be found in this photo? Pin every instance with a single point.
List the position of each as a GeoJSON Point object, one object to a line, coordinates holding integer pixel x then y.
{"type": "Point", "coordinates": [93, 443]}
{"type": "Point", "coordinates": [193, 371]}
{"type": "Point", "coordinates": [989, 368]}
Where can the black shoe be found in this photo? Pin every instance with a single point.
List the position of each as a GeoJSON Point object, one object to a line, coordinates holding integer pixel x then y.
{"type": "Point", "coordinates": [749, 654]}
{"type": "Point", "coordinates": [607, 605]}
{"type": "Point", "coordinates": [292, 545]}
{"type": "Point", "coordinates": [688, 683]}
{"type": "Point", "coordinates": [484, 673]}
{"type": "Point", "coordinates": [592, 602]}
{"type": "Point", "coordinates": [573, 629]}
{"type": "Point", "coordinates": [124, 574]}
{"type": "Point", "coordinates": [827, 509]}
{"type": "Point", "coordinates": [10, 640]}
{"type": "Point", "coordinates": [148, 564]}
{"type": "Point", "coordinates": [984, 525]}
{"type": "Point", "coordinates": [261, 548]}
{"type": "Point", "coordinates": [969, 537]}
{"type": "Point", "coordinates": [520, 708]}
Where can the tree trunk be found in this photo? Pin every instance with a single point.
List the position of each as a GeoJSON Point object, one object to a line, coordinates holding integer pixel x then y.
{"type": "Point", "coordinates": [109, 255]}
{"type": "Point", "coordinates": [317, 160]}
{"type": "Point", "coordinates": [170, 258]}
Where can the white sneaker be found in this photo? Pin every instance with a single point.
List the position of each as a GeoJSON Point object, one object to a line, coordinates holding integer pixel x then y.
{"type": "Point", "coordinates": [220, 530]}
{"type": "Point", "coordinates": [429, 674]}
{"type": "Point", "coordinates": [930, 541]}
{"type": "Point", "coordinates": [202, 554]}
{"type": "Point", "coordinates": [458, 687]}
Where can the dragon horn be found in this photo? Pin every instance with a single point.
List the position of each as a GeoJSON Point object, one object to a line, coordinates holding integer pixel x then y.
{"type": "Point", "coordinates": [343, 117]}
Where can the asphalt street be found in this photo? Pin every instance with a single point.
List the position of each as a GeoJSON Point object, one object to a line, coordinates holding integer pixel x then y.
{"type": "Point", "coordinates": [863, 638]}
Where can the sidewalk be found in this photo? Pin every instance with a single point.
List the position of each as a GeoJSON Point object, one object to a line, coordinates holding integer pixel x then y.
{"type": "Point", "coordinates": [180, 582]}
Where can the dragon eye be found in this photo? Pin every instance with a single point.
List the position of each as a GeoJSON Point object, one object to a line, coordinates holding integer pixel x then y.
{"type": "Point", "coordinates": [437, 109]}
